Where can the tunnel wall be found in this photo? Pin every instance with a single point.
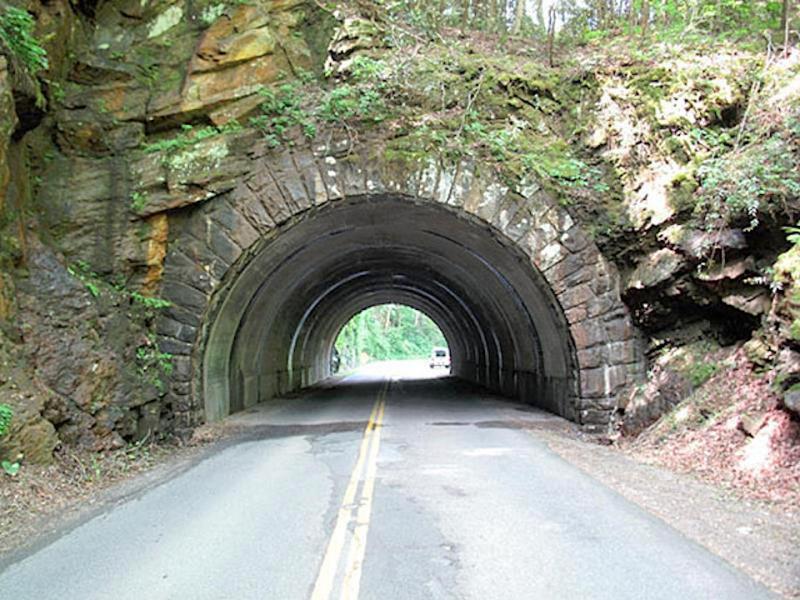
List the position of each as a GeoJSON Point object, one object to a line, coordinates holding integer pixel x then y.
{"type": "Point", "coordinates": [215, 242]}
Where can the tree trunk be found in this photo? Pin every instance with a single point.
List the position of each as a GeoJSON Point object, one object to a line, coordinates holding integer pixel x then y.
{"type": "Point", "coordinates": [519, 16]}
{"type": "Point", "coordinates": [602, 14]}
{"type": "Point", "coordinates": [540, 23]}
{"type": "Point", "coordinates": [786, 24]}
{"type": "Point", "coordinates": [479, 16]}
{"type": "Point", "coordinates": [551, 33]}
{"type": "Point", "coordinates": [632, 16]}
{"type": "Point", "coordinates": [494, 16]}
{"type": "Point", "coordinates": [785, 14]}
{"type": "Point", "coordinates": [645, 21]}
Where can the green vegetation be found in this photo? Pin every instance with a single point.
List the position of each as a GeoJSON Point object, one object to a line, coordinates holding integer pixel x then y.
{"type": "Point", "coordinates": [454, 104]}
{"type": "Point", "coordinates": [699, 372]}
{"type": "Point", "coordinates": [80, 270]}
{"type": "Point", "coordinates": [387, 332]}
{"type": "Point", "coordinates": [483, 100]}
{"type": "Point", "coordinates": [152, 364]}
{"type": "Point", "coordinates": [189, 136]}
{"type": "Point", "coordinates": [10, 468]}
{"type": "Point", "coordinates": [697, 361]}
{"type": "Point", "coordinates": [552, 161]}
{"type": "Point", "coordinates": [6, 414]}
{"type": "Point", "coordinates": [346, 102]}
{"type": "Point", "coordinates": [211, 13]}
{"type": "Point", "coordinates": [301, 104]}
{"type": "Point", "coordinates": [97, 285]}
{"type": "Point", "coordinates": [759, 179]}
{"type": "Point", "coordinates": [150, 301]}
{"type": "Point", "coordinates": [18, 42]}
{"type": "Point", "coordinates": [459, 99]}
{"type": "Point", "coordinates": [364, 99]}
{"type": "Point", "coordinates": [138, 201]}
{"type": "Point", "coordinates": [281, 110]}
{"type": "Point", "coordinates": [592, 20]}
{"type": "Point", "coordinates": [786, 277]}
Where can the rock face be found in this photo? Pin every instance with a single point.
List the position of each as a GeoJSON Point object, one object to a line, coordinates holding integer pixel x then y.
{"type": "Point", "coordinates": [146, 178]}
{"type": "Point", "coordinates": [655, 269]}
{"type": "Point", "coordinates": [80, 317]}
{"type": "Point", "coordinates": [673, 377]}
{"type": "Point", "coordinates": [792, 400]}
{"type": "Point", "coordinates": [31, 435]}
{"type": "Point", "coordinates": [8, 121]}
{"type": "Point", "coordinates": [82, 355]}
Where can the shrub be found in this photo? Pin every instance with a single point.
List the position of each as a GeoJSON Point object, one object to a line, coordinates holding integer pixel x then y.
{"type": "Point", "coordinates": [740, 187]}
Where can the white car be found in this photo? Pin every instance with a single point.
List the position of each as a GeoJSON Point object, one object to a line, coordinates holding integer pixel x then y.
{"type": "Point", "coordinates": [440, 357]}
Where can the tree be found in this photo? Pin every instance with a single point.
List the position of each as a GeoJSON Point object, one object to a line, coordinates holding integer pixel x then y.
{"type": "Point", "coordinates": [581, 19]}
{"type": "Point", "coordinates": [645, 17]}
{"type": "Point", "coordinates": [551, 33]}
{"type": "Point", "coordinates": [519, 16]}
{"type": "Point", "coordinates": [786, 22]}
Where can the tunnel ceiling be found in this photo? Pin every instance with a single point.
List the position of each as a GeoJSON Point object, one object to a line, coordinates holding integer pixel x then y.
{"type": "Point", "coordinates": [277, 326]}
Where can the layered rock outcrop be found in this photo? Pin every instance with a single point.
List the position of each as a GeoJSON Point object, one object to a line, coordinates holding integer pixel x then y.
{"type": "Point", "coordinates": [156, 113]}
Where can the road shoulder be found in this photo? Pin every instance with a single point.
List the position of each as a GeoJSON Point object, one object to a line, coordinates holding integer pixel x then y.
{"type": "Point", "coordinates": [48, 501]}
{"type": "Point", "coordinates": [759, 539]}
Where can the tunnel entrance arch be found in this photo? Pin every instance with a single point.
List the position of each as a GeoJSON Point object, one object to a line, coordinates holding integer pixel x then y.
{"type": "Point", "coordinates": [262, 279]}
{"type": "Point", "coordinates": [273, 332]}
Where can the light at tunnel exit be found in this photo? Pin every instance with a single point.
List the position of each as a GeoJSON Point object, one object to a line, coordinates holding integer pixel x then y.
{"type": "Point", "coordinates": [393, 340]}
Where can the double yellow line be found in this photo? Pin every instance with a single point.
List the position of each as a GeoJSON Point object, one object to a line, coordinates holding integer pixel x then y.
{"type": "Point", "coordinates": [356, 508]}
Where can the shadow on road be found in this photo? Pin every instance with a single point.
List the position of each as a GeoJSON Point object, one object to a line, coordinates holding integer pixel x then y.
{"type": "Point", "coordinates": [414, 393]}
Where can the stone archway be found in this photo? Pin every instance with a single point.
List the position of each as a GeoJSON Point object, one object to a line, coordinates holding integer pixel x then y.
{"type": "Point", "coordinates": [549, 327]}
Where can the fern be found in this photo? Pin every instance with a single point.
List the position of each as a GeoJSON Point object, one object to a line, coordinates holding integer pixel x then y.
{"type": "Point", "coordinates": [792, 234]}
{"type": "Point", "coordinates": [26, 55]}
{"type": "Point", "coordinates": [6, 414]}
{"type": "Point", "coordinates": [16, 35]}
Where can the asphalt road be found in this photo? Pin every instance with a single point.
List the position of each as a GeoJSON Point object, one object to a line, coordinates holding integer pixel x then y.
{"type": "Point", "coordinates": [379, 490]}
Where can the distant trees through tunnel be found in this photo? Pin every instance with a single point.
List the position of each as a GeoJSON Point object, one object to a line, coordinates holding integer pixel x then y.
{"type": "Point", "coordinates": [386, 332]}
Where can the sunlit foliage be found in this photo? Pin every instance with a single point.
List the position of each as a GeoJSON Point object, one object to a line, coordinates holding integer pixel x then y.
{"type": "Point", "coordinates": [387, 332]}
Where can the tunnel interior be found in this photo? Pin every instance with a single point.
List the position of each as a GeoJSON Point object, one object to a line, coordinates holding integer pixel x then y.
{"type": "Point", "coordinates": [276, 320]}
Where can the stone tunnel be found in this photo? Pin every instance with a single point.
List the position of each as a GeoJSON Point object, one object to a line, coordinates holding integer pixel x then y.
{"type": "Point", "coordinates": [262, 279]}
